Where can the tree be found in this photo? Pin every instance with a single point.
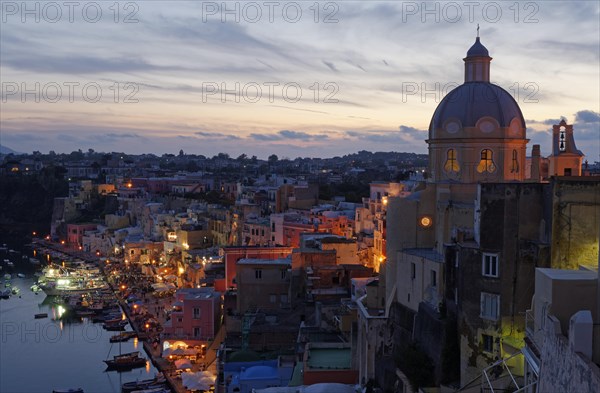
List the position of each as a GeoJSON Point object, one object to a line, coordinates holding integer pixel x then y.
{"type": "Point", "coordinates": [273, 159]}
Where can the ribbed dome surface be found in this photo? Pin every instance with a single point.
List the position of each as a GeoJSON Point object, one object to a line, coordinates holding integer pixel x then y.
{"type": "Point", "coordinates": [473, 101]}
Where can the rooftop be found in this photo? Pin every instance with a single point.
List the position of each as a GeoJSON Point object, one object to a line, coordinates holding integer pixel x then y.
{"type": "Point", "coordinates": [330, 358]}
{"type": "Point", "coordinates": [428, 253]}
{"type": "Point", "coordinates": [565, 274]}
{"type": "Point", "coordinates": [257, 261]}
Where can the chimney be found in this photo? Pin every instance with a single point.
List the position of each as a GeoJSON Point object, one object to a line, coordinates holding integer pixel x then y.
{"type": "Point", "coordinates": [535, 163]}
{"type": "Point", "coordinates": [318, 314]}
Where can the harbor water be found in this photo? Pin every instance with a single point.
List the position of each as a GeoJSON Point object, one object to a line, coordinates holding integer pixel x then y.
{"type": "Point", "coordinates": [39, 355]}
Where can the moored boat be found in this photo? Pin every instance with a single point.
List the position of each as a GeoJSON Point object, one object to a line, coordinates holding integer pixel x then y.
{"type": "Point", "coordinates": [126, 361]}
{"type": "Point", "coordinates": [68, 390]}
{"type": "Point", "coordinates": [156, 382]}
{"type": "Point", "coordinates": [121, 337]}
{"type": "Point", "coordinates": [120, 325]}
{"type": "Point", "coordinates": [41, 315]}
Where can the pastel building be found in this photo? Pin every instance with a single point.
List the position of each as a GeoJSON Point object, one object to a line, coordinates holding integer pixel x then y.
{"type": "Point", "coordinates": [196, 315]}
{"type": "Point", "coordinates": [75, 233]}
{"type": "Point", "coordinates": [263, 284]}
{"type": "Point", "coordinates": [233, 254]}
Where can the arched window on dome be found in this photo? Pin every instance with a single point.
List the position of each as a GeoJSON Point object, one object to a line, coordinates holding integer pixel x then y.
{"type": "Point", "coordinates": [514, 167]}
{"type": "Point", "coordinates": [486, 164]}
{"type": "Point", "coordinates": [451, 165]}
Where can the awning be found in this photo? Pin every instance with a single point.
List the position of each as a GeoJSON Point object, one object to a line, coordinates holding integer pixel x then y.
{"type": "Point", "coordinates": [182, 364]}
{"type": "Point", "coordinates": [202, 380]}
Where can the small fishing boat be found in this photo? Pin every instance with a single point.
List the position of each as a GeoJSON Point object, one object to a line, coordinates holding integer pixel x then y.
{"type": "Point", "coordinates": [120, 325]}
{"type": "Point", "coordinates": [126, 361]}
{"type": "Point", "coordinates": [7, 276]}
{"type": "Point", "coordinates": [68, 390]}
{"type": "Point", "coordinates": [157, 382]}
{"type": "Point", "coordinates": [20, 275]}
{"type": "Point", "coordinates": [121, 337]}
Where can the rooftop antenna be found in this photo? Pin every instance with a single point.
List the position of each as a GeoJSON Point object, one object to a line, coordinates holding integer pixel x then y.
{"type": "Point", "coordinates": [477, 30]}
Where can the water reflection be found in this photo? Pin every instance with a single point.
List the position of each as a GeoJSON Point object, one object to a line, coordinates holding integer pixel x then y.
{"type": "Point", "coordinates": [56, 346]}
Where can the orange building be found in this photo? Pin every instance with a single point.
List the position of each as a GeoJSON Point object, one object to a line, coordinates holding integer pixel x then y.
{"type": "Point", "coordinates": [233, 254]}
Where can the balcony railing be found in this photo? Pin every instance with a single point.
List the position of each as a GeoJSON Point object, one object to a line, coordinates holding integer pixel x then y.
{"type": "Point", "coordinates": [529, 323]}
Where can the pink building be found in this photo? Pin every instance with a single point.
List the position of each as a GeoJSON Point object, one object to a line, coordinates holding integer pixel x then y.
{"type": "Point", "coordinates": [75, 233]}
{"type": "Point", "coordinates": [196, 314]}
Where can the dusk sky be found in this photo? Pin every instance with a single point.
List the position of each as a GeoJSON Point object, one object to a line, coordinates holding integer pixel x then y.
{"type": "Point", "coordinates": [333, 82]}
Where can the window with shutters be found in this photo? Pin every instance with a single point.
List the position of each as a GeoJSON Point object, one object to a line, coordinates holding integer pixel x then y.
{"type": "Point", "coordinates": [490, 306]}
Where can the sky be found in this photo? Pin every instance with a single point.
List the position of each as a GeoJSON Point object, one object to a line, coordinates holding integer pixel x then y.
{"type": "Point", "coordinates": [298, 79]}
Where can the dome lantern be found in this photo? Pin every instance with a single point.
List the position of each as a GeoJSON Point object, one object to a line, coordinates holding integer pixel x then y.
{"type": "Point", "coordinates": [477, 62]}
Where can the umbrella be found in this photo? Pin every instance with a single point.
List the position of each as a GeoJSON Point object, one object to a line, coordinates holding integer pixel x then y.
{"type": "Point", "coordinates": [197, 381]}
{"type": "Point", "coordinates": [178, 351]}
{"type": "Point", "coordinates": [182, 364]}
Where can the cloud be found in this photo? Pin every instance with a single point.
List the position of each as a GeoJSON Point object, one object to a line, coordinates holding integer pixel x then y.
{"type": "Point", "coordinates": [587, 116]}
{"type": "Point", "coordinates": [548, 122]}
{"type": "Point", "coordinates": [288, 135]}
{"type": "Point", "coordinates": [295, 135]}
{"type": "Point", "coordinates": [415, 132]}
{"type": "Point", "coordinates": [215, 135]}
{"type": "Point", "coordinates": [330, 65]}
{"type": "Point", "coordinates": [265, 137]}
{"type": "Point", "coordinates": [117, 136]}
{"type": "Point", "coordinates": [403, 134]}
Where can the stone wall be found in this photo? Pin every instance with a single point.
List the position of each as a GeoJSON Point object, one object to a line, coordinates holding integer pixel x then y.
{"type": "Point", "coordinates": [563, 369]}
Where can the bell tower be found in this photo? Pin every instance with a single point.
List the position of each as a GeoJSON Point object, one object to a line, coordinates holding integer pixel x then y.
{"type": "Point", "coordinates": [566, 159]}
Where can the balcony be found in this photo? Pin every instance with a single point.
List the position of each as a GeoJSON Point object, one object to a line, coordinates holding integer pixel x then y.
{"type": "Point", "coordinates": [531, 351]}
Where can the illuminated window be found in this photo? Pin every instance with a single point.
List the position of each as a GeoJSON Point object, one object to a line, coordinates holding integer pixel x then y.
{"type": "Point", "coordinates": [486, 164]}
{"type": "Point", "coordinates": [490, 306]}
{"type": "Point", "coordinates": [489, 265]}
{"type": "Point", "coordinates": [514, 168]}
{"type": "Point", "coordinates": [451, 161]}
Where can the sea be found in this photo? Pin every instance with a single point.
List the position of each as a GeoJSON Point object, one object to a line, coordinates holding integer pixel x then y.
{"type": "Point", "coordinates": [57, 352]}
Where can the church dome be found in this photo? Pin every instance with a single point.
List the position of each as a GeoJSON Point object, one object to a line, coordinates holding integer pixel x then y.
{"type": "Point", "coordinates": [477, 132]}
{"type": "Point", "coordinates": [480, 105]}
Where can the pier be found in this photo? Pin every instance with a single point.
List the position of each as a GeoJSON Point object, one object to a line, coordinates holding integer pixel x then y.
{"type": "Point", "coordinates": [154, 354]}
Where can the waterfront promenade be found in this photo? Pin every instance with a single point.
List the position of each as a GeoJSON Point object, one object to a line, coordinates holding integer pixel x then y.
{"type": "Point", "coordinates": [127, 282]}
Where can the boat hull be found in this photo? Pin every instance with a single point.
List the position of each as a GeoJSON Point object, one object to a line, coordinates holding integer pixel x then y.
{"type": "Point", "coordinates": [122, 366]}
